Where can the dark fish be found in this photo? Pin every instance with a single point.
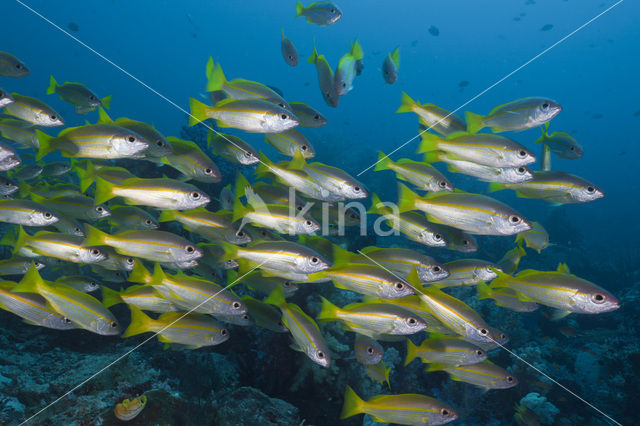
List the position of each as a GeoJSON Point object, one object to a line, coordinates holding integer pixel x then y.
{"type": "Point", "coordinates": [546, 27]}
{"type": "Point", "coordinates": [73, 26]}
{"type": "Point", "coordinates": [289, 52]}
{"type": "Point", "coordinates": [463, 83]}
{"type": "Point", "coordinates": [434, 31]}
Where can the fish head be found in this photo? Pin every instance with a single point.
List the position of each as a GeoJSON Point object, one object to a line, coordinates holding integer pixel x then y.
{"type": "Point", "coordinates": [516, 174]}
{"type": "Point", "coordinates": [474, 356]}
{"type": "Point", "coordinates": [238, 237]}
{"type": "Point", "coordinates": [486, 272]}
{"type": "Point", "coordinates": [597, 301]}
{"type": "Point", "coordinates": [432, 272]}
{"type": "Point", "coordinates": [108, 327]}
{"type": "Point", "coordinates": [236, 307]}
{"type": "Point", "coordinates": [522, 156]}
{"type": "Point", "coordinates": [193, 200]}
{"type": "Point", "coordinates": [320, 356]}
{"type": "Point", "coordinates": [149, 224]}
{"type": "Point", "coordinates": [443, 416]}
{"type": "Point", "coordinates": [44, 217]}
{"type": "Point", "coordinates": [9, 162]}
{"type": "Point", "coordinates": [219, 337]}
{"type": "Point", "coordinates": [93, 255]}
{"type": "Point", "coordinates": [498, 336]}
{"type": "Point", "coordinates": [5, 99]}
{"type": "Point", "coordinates": [508, 381]}
{"type": "Point", "coordinates": [91, 286]}
{"type": "Point", "coordinates": [433, 239]}
{"type": "Point", "coordinates": [49, 119]}
{"type": "Point", "coordinates": [100, 211]}
{"type": "Point", "coordinates": [58, 322]}
{"type": "Point", "coordinates": [247, 158]}
{"type": "Point", "coordinates": [479, 334]}
{"type": "Point", "coordinates": [310, 264]}
{"type": "Point", "coordinates": [208, 174]}
{"type": "Point", "coordinates": [189, 252]}
{"type": "Point", "coordinates": [307, 226]}
{"type": "Point", "coordinates": [512, 224]}
{"type": "Point", "coordinates": [389, 70]}
{"type": "Point", "coordinates": [588, 193]}
{"type": "Point", "coordinates": [355, 191]}
{"type": "Point", "coordinates": [289, 287]}
{"type": "Point", "coordinates": [546, 110]}
{"type": "Point", "coordinates": [333, 13]}
{"type": "Point", "coordinates": [279, 120]}
{"type": "Point", "coordinates": [128, 144]}
{"type": "Point", "coordinates": [396, 289]}
{"type": "Point", "coordinates": [126, 263]}
{"type": "Point", "coordinates": [410, 325]}
{"type": "Point", "coordinates": [93, 101]}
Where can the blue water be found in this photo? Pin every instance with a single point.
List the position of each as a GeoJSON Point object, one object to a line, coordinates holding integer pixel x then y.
{"type": "Point", "coordinates": [592, 74]}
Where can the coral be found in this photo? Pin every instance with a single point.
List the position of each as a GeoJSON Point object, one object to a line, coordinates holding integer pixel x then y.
{"type": "Point", "coordinates": [249, 406]}
{"type": "Point", "coordinates": [545, 410]}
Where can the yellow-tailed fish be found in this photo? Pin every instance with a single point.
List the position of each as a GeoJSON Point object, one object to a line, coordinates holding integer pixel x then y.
{"type": "Point", "coordinates": [305, 332]}
{"type": "Point", "coordinates": [333, 179]}
{"type": "Point", "coordinates": [55, 169]}
{"type": "Point", "coordinates": [423, 175]}
{"type": "Point", "coordinates": [106, 141]}
{"type": "Point", "coordinates": [390, 66]}
{"type": "Point", "coordinates": [188, 159]}
{"type": "Point", "coordinates": [403, 409]}
{"type": "Point", "coordinates": [561, 143]}
{"type": "Point", "coordinates": [232, 148]}
{"type": "Point", "coordinates": [319, 12]}
{"type": "Point", "coordinates": [24, 172]}
{"type": "Point", "coordinates": [520, 114]}
{"type": "Point", "coordinates": [161, 193]}
{"type": "Point", "coordinates": [34, 111]}
{"type": "Point", "coordinates": [5, 98]}
{"type": "Point", "coordinates": [32, 308]}
{"type": "Point", "coordinates": [88, 175]}
{"type": "Point", "coordinates": [484, 148]}
{"type": "Point", "coordinates": [290, 142]}
{"type": "Point", "coordinates": [554, 187]}
{"type": "Point", "coordinates": [27, 213]}
{"type": "Point", "coordinates": [10, 66]}
{"type": "Point", "coordinates": [474, 213]}
{"type": "Point", "coordinates": [265, 315]}
{"type": "Point", "coordinates": [458, 240]}
{"type": "Point", "coordinates": [251, 115]}
{"type": "Point", "coordinates": [511, 259]}
{"type": "Point", "coordinates": [288, 50]}
{"type": "Point", "coordinates": [155, 246]}
{"type": "Point", "coordinates": [212, 226]}
{"type": "Point", "coordinates": [379, 373]}
{"type": "Point", "coordinates": [372, 319]}
{"type": "Point", "coordinates": [132, 217]}
{"type": "Point", "coordinates": [143, 297]}
{"type": "Point", "coordinates": [467, 272]}
{"type": "Point", "coordinates": [484, 374]}
{"type": "Point", "coordinates": [535, 238]}
{"type": "Point", "coordinates": [81, 309]}
{"type": "Point", "coordinates": [481, 171]}
{"type": "Point", "coordinates": [307, 115]}
{"type": "Point", "coordinates": [346, 70]}
{"type": "Point", "coordinates": [506, 298]}
{"type": "Point", "coordinates": [71, 248]}
{"type": "Point", "coordinates": [499, 339]}
{"type": "Point", "coordinates": [75, 206]}
{"type": "Point", "coordinates": [261, 234]}
{"type": "Point", "coordinates": [412, 303]}
{"type": "Point", "coordinates": [263, 285]}
{"type": "Point", "coordinates": [79, 282]}
{"type": "Point", "coordinates": [18, 265]}
{"type": "Point", "coordinates": [7, 186]}
{"type": "Point", "coordinates": [192, 331]}
{"type": "Point", "coordinates": [367, 350]}
{"type": "Point", "coordinates": [83, 99]}
{"type": "Point", "coordinates": [19, 131]}
{"type": "Point", "coordinates": [326, 78]}
{"type": "Point", "coordinates": [438, 119]}
{"type": "Point", "coordinates": [412, 224]}
{"type": "Point", "coordinates": [115, 261]}
{"type": "Point", "coordinates": [445, 350]}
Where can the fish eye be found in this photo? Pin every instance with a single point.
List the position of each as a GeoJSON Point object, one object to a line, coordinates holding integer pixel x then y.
{"type": "Point", "coordinates": [47, 215]}
{"type": "Point", "coordinates": [291, 57]}
{"type": "Point", "coordinates": [572, 148]}
{"type": "Point", "coordinates": [370, 349]}
{"type": "Point", "coordinates": [304, 147]}
{"type": "Point", "coordinates": [545, 105]}
{"type": "Point", "coordinates": [93, 284]}
{"type": "Point", "coordinates": [314, 260]}
{"type": "Point", "coordinates": [131, 139]}
{"type": "Point", "coordinates": [399, 285]}
{"type": "Point", "coordinates": [92, 98]}
{"type": "Point", "coordinates": [284, 116]}
{"type": "Point", "coordinates": [320, 354]}
{"type": "Point", "coordinates": [308, 223]}
{"type": "Point", "coordinates": [66, 320]}
{"type": "Point", "coordinates": [332, 10]}
{"type": "Point", "coordinates": [444, 412]}
{"type": "Point", "coordinates": [437, 237]}
{"type": "Point", "coordinates": [189, 249]}
{"type": "Point", "coordinates": [113, 324]}
{"type": "Point", "coordinates": [53, 117]}
{"type": "Point", "coordinates": [316, 117]}
{"type": "Point", "coordinates": [598, 298]}
{"type": "Point", "coordinates": [484, 331]}
{"type": "Point", "coordinates": [479, 352]}
{"type": "Point", "coordinates": [148, 222]}
{"type": "Point", "coordinates": [356, 188]}
{"type": "Point", "coordinates": [19, 66]}
{"type": "Point", "coordinates": [521, 170]}
{"type": "Point", "coordinates": [287, 283]}
{"type": "Point", "coordinates": [248, 154]}
{"type": "Point", "coordinates": [353, 216]}
{"type": "Point", "coordinates": [436, 269]}
{"type": "Point", "coordinates": [7, 183]}
{"type": "Point", "coordinates": [503, 336]}
{"type": "Point", "coordinates": [223, 331]}
{"type": "Point", "coordinates": [208, 171]}
{"type": "Point", "coordinates": [466, 242]}
{"type": "Point", "coordinates": [590, 189]}
{"type": "Point", "coordinates": [95, 252]}
{"type": "Point", "coordinates": [509, 379]}
{"type": "Point", "coordinates": [514, 219]}
{"type": "Point", "coordinates": [245, 317]}
{"type": "Point", "coordinates": [99, 209]}
{"type": "Point", "coordinates": [412, 321]}
{"type": "Point", "coordinates": [77, 229]}
{"type": "Point", "coordinates": [522, 154]}
{"type": "Point", "coordinates": [240, 233]}
{"type": "Point", "coordinates": [235, 305]}
{"type": "Point", "coordinates": [130, 260]}
{"type": "Point", "coordinates": [195, 195]}
{"type": "Point", "coordinates": [299, 208]}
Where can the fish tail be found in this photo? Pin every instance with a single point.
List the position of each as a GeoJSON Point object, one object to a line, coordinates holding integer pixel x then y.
{"type": "Point", "coordinates": [8, 239]}
{"type": "Point", "coordinates": [428, 142]}
{"type": "Point", "coordinates": [31, 282]}
{"type": "Point", "coordinates": [95, 237]}
{"type": "Point", "coordinates": [432, 157]}
{"type": "Point", "coordinates": [103, 117]}
{"type": "Point", "coordinates": [387, 371]}
{"type": "Point", "coordinates": [210, 67]}
{"type": "Point", "coordinates": [265, 166]}
{"type": "Point", "coordinates": [106, 101]}
{"type": "Point", "coordinates": [197, 111]}
{"type": "Point", "coordinates": [376, 205]}
{"type": "Point", "coordinates": [276, 297]}
{"type": "Point", "coordinates": [353, 404]}
{"type": "Point", "coordinates": [140, 274]}
{"type": "Point", "coordinates": [314, 55]}
{"type": "Point", "coordinates": [167, 216]}
{"type": "Point", "coordinates": [44, 141]}
{"type": "Point", "coordinates": [216, 80]}
{"type": "Point", "coordinates": [406, 198]}
{"type": "Point", "coordinates": [230, 251]}
{"type": "Point", "coordinates": [474, 121]}
{"type": "Point", "coordinates": [158, 275]}
{"type": "Point", "coordinates": [110, 297]}
{"type": "Point", "coordinates": [104, 191]}
{"type": "Point", "coordinates": [484, 291]}
{"type": "Point", "coordinates": [495, 186]}
{"type": "Point", "coordinates": [87, 177]}
{"type": "Point", "coordinates": [53, 85]}
{"type": "Point", "coordinates": [502, 280]}
{"type": "Point", "coordinates": [297, 162]}
{"type": "Point", "coordinates": [395, 56]}
{"type": "Point", "coordinates": [356, 50]}
{"type": "Point", "coordinates": [411, 352]}
{"type": "Point", "coordinates": [435, 367]}
{"type": "Point", "coordinates": [239, 211]}
{"type": "Point", "coordinates": [140, 323]}
{"type": "Point", "coordinates": [241, 184]}
{"type": "Point", "coordinates": [406, 104]}
{"type": "Point", "coordinates": [341, 256]}
{"type": "Point", "coordinates": [21, 241]}
{"type": "Point", "coordinates": [299, 9]}
{"type": "Point", "coordinates": [328, 311]}
{"type": "Point", "coordinates": [384, 162]}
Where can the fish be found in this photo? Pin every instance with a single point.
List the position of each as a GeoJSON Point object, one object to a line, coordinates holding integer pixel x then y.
{"type": "Point", "coordinates": [332, 179]}
{"type": "Point", "coordinates": [101, 141]}
{"type": "Point", "coordinates": [34, 111]}
{"type": "Point", "coordinates": [390, 66]}
{"type": "Point", "coordinates": [434, 31]}
{"type": "Point", "coordinates": [474, 213]}
{"type": "Point", "coordinates": [456, 239]}
{"type": "Point", "coordinates": [80, 283]}
{"type": "Point", "coordinates": [83, 99]}
{"type": "Point", "coordinates": [115, 175]}
{"type": "Point", "coordinates": [560, 290]}
{"type": "Point", "coordinates": [536, 238]}
{"type": "Point", "coordinates": [511, 259]}
{"type": "Point", "coordinates": [265, 315]}
{"type": "Point", "coordinates": [372, 319]}
{"type": "Point", "coordinates": [307, 115]}
{"type": "Point", "coordinates": [19, 131]}
{"type": "Point", "coordinates": [24, 171]}
{"type": "Point", "coordinates": [191, 330]}
{"type": "Point", "coordinates": [27, 213]}
{"type": "Point", "coordinates": [319, 12]}
{"type": "Point", "coordinates": [55, 168]}
{"type": "Point", "coordinates": [83, 310]}
{"type": "Point", "coordinates": [288, 50]}
{"type": "Point", "coordinates": [481, 171]}
{"type": "Point", "coordinates": [5, 98]}
{"type": "Point", "coordinates": [263, 285]}
{"type": "Point", "coordinates": [232, 148]}
{"type": "Point", "coordinates": [379, 373]}
{"type": "Point", "coordinates": [250, 115]}
{"type": "Point", "coordinates": [18, 265]}
{"type": "Point", "coordinates": [155, 246]}
{"type": "Point", "coordinates": [444, 350]}
{"type": "Point", "coordinates": [484, 374]}
{"type": "Point", "coordinates": [70, 248]}
{"type": "Point", "coordinates": [144, 297]}
{"type": "Point", "coordinates": [412, 303]}
{"type": "Point", "coordinates": [191, 161]}
{"type": "Point", "coordinates": [304, 330]}
{"type": "Point", "coordinates": [132, 217]}
{"type": "Point", "coordinates": [561, 144]}
{"type": "Point", "coordinates": [212, 226]}
{"type": "Point", "coordinates": [326, 78]}
{"type": "Point", "coordinates": [506, 298]}
{"type": "Point", "coordinates": [346, 70]}
{"type": "Point", "coordinates": [554, 187]}
{"type": "Point", "coordinates": [290, 142]}
{"type": "Point", "coordinates": [10, 66]}
{"type": "Point", "coordinates": [405, 409]}
{"type": "Point", "coordinates": [32, 308]}
{"type": "Point", "coordinates": [9, 159]}
{"type": "Point", "coordinates": [423, 175]}
{"type": "Point", "coordinates": [484, 148]}
{"type": "Point", "coordinates": [525, 416]}
{"type": "Point", "coordinates": [465, 272]}
{"type": "Point", "coordinates": [432, 116]}
{"type": "Point", "coordinates": [367, 350]}
{"type": "Point", "coordinates": [520, 114]}
{"type": "Point", "coordinates": [129, 409]}
{"type": "Point", "coordinates": [161, 193]}
{"type": "Point", "coordinates": [74, 206]}
{"type": "Point", "coordinates": [366, 279]}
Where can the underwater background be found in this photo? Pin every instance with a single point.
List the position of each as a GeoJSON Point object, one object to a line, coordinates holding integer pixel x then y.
{"type": "Point", "coordinates": [450, 52]}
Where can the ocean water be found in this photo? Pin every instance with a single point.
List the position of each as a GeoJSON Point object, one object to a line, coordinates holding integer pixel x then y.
{"type": "Point", "coordinates": [484, 54]}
